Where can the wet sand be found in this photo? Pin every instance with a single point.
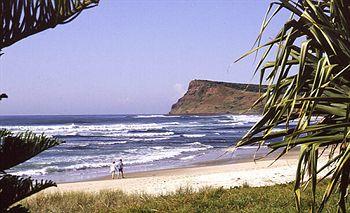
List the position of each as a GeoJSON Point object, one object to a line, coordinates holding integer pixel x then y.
{"type": "Point", "coordinates": [224, 173]}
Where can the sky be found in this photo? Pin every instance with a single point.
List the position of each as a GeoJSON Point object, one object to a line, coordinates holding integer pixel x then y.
{"type": "Point", "coordinates": [131, 57]}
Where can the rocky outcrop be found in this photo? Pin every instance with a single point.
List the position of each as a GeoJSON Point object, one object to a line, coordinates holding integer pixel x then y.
{"type": "Point", "coordinates": [211, 97]}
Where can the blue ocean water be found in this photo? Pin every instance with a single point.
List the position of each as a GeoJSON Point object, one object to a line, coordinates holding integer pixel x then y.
{"type": "Point", "coordinates": [144, 142]}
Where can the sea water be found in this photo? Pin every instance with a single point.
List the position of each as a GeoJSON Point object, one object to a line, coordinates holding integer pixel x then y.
{"type": "Point", "coordinates": [144, 142]}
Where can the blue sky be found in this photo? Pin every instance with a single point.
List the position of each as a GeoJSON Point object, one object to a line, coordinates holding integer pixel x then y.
{"type": "Point", "coordinates": [130, 56]}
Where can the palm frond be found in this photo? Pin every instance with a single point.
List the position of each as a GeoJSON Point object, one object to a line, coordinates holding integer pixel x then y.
{"type": "Point", "coordinates": [15, 149]}
{"type": "Point", "coordinates": [309, 78]}
{"type": "Point", "coordinates": [22, 18]}
{"type": "Point", "coordinates": [15, 188]}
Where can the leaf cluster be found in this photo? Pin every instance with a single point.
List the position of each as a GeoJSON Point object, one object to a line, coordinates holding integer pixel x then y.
{"type": "Point", "coordinates": [18, 20]}
{"type": "Point", "coordinates": [14, 150]}
{"type": "Point", "coordinates": [308, 94]}
{"type": "Point", "coordinates": [22, 18]}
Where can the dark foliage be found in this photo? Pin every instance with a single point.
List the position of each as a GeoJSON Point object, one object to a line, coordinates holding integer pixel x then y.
{"type": "Point", "coordinates": [308, 97]}
{"type": "Point", "coordinates": [18, 20]}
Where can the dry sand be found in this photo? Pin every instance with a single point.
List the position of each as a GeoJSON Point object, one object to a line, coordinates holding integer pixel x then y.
{"type": "Point", "coordinates": [259, 173]}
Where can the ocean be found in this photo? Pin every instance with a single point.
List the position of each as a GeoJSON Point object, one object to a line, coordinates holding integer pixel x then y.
{"type": "Point", "coordinates": [144, 142]}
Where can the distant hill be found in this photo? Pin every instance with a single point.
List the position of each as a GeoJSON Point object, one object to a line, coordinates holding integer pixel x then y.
{"type": "Point", "coordinates": [212, 97]}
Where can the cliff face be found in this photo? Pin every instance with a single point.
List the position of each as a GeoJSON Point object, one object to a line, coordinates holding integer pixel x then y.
{"type": "Point", "coordinates": [211, 97]}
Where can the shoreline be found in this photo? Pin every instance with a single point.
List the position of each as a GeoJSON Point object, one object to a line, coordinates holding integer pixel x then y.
{"type": "Point", "coordinates": [206, 174]}
{"type": "Point", "coordinates": [249, 158]}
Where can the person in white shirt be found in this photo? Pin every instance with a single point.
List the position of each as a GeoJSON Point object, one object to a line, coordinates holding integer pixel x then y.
{"type": "Point", "coordinates": [112, 169]}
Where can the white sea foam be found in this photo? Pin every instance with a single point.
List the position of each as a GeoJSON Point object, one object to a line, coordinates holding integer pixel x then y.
{"type": "Point", "coordinates": [253, 119]}
{"type": "Point", "coordinates": [111, 142]}
{"type": "Point", "coordinates": [194, 135]}
{"type": "Point", "coordinates": [150, 154]}
{"type": "Point", "coordinates": [156, 141]}
{"type": "Point", "coordinates": [161, 153]}
{"type": "Point", "coordinates": [81, 166]}
{"type": "Point", "coordinates": [158, 147]}
{"type": "Point", "coordinates": [51, 169]}
{"type": "Point", "coordinates": [171, 123]}
{"type": "Point", "coordinates": [251, 147]}
{"type": "Point", "coordinates": [225, 121]}
{"type": "Point", "coordinates": [157, 116]}
{"type": "Point", "coordinates": [92, 130]}
{"type": "Point", "coordinates": [130, 156]}
{"type": "Point", "coordinates": [188, 157]}
{"type": "Point", "coordinates": [195, 143]}
{"type": "Point", "coordinates": [244, 118]}
{"type": "Point", "coordinates": [150, 116]}
{"type": "Point", "coordinates": [233, 124]}
{"type": "Point", "coordinates": [141, 134]}
{"type": "Point", "coordinates": [131, 150]}
{"type": "Point", "coordinates": [199, 144]}
{"type": "Point", "coordinates": [32, 172]}
{"type": "Point", "coordinates": [83, 145]}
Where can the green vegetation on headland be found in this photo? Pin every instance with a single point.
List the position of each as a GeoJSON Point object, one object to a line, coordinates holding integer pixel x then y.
{"type": "Point", "coordinates": [205, 97]}
{"type": "Point", "coordinates": [277, 198]}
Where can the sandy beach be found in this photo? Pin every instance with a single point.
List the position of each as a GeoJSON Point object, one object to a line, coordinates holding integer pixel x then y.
{"type": "Point", "coordinates": [226, 175]}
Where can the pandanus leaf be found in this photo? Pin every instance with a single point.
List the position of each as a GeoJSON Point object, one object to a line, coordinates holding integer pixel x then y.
{"type": "Point", "coordinates": [309, 78]}
{"type": "Point", "coordinates": [22, 18]}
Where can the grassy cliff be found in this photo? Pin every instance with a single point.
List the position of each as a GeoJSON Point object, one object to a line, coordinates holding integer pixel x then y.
{"type": "Point", "coordinates": [212, 97]}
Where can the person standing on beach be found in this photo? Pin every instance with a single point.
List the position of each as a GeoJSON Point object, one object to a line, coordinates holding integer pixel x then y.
{"type": "Point", "coordinates": [112, 169]}
{"type": "Point", "coordinates": [120, 168]}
